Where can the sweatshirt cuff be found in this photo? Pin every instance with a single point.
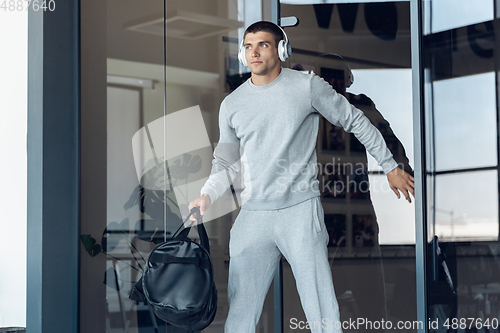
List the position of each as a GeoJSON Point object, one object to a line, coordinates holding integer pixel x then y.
{"type": "Point", "coordinates": [211, 194]}
{"type": "Point", "coordinates": [389, 166]}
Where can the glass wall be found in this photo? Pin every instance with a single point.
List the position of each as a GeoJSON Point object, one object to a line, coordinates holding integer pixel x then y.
{"type": "Point", "coordinates": [461, 152]}
{"type": "Point", "coordinates": [372, 234]}
{"type": "Point", "coordinates": [153, 78]}
{"type": "Point", "coordinates": [201, 70]}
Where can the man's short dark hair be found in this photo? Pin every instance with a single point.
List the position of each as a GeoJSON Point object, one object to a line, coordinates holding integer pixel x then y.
{"type": "Point", "coordinates": [265, 26]}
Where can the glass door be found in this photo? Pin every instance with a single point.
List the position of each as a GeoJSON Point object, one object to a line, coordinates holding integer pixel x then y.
{"type": "Point", "coordinates": [153, 78]}
{"type": "Point", "coordinates": [202, 68]}
{"type": "Point", "coordinates": [461, 105]}
{"type": "Point", "coordinates": [363, 50]}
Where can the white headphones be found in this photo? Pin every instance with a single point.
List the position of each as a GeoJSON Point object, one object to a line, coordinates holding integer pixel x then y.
{"type": "Point", "coordinates": [284, 49]}
{"type": "Point", "coordinates": [347, 72]}
{"type": "Point", "coordinates": [348, 75]}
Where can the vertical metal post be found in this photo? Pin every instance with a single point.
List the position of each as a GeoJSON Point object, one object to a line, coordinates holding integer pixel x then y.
{"type": "Point", "coordinates": [496, 27]}
{"type": "Point", "coordinates": [420, 164]}
{"type": "Point", "coordinates": [53, 150]}
{"type": "Point", "coordinates": [275, 12]}
{"type": "Point", "coordinates": [278, 277]}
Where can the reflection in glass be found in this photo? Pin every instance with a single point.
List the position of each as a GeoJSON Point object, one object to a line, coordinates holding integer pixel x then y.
{"type": "Point", "coordinates": [461, 114]}
{"type": "Point", "coordinates": [122, 221]}
{"type": "Point", "coordinates": [449, 14]}
{"type": "Point", "coordinates": [371, 281]}
{"type": "Point", "coordinates": [200, 72]}
{"type": "Point", "coordinates": [464, 122]}
{"type": "Point", "coordinates": [460, 216]}
{"type": "Point", "coordinates": [396, 106]}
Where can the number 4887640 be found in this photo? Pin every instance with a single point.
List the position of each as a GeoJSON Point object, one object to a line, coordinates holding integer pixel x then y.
{"type": "Point", "coordinates": [24, 5]}
{"type": "Point", "coordinates": [470, 323]}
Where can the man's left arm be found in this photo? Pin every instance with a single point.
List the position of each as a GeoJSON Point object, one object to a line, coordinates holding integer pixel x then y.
{"type": "Point", "coordinates": [339, 112]}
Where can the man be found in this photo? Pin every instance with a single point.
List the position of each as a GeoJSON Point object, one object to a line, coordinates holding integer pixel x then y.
{"type": "Point", "coordinates": [274, 117]}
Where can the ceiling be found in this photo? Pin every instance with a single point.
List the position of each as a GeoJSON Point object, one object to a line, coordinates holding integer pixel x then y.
{"type": "Point", "coordinates": [195, 29]}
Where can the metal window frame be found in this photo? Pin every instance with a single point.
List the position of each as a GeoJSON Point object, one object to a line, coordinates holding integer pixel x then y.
{"type": "Point", "coordinates": [53, 169]}
{"type": "Point", "coordinates": [420, 163]}
{"type": "Point", "coordinates": [278, 276]}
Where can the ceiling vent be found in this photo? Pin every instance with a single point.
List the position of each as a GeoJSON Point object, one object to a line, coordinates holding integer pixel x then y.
{"type": "Point", "coordinates": [184, 24]}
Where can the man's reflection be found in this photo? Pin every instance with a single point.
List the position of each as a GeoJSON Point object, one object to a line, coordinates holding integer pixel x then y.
{"type": "Point", "coordinates": [365, 277]}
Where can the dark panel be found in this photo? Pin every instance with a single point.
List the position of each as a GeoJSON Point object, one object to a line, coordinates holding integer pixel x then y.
{"type": "Point", "coordinates": [323, 15]}
{"type": "Point", "coordinates": [348, 13]}
{"type": "Point", "coordinates": [93, 162]}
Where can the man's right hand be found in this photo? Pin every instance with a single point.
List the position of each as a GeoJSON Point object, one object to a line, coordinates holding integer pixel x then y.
{"type": "Point", "coordinates": [203, 202]}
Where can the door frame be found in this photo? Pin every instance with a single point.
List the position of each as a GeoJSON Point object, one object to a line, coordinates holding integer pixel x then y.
{"type": "Point", "coordinates": [419, 145]}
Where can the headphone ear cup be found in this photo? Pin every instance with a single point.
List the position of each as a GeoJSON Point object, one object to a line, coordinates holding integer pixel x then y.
{"type": "Point", "coordinates": [350, 78]}
{"type": "Point", "coordinates": [241, 56]}
{"type": "Point", "coordinates": [281, 50]}
{"type": "Point", "coordinates": [284, 50]}
{"type": "Point", "coordinates": [288, 51]}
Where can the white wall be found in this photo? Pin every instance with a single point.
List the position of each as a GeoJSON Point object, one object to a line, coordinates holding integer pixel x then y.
{"type": "Point", "coordinates": [13, 130]}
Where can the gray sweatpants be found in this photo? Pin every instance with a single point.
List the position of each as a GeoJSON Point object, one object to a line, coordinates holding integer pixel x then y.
{"type": "Point", "coordinates": [257, 240]}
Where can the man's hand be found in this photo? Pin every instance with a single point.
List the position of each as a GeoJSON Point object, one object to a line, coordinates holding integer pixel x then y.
{"type": "Point", "coordinates": [203, 202]}
{"type": "Point", "coordinates": [402, 181]}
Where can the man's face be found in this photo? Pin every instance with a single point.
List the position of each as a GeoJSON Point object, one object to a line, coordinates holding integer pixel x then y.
{"type": "Point", "coordinates": [261, 52]}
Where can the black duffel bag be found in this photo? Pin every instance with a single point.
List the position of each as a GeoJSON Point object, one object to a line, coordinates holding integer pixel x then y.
{"type": "Point", "coordinates": [178, 281]}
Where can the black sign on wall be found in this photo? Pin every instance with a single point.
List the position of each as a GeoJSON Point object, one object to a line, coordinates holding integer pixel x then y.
{"type": "Point", "coordinates": [381, 18]}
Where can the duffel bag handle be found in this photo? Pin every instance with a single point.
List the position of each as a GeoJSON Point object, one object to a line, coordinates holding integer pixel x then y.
{"type": "Point", "coordinates": [202, 232]}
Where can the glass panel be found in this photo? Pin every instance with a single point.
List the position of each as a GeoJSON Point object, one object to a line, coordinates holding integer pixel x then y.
{"type": "Point", "coordinates": [123, 213]}
{"type": "Point", "coordinates": [461, 130]}
{"type": "Point", "coordinates": [372, 239]}
{"type": "Point", "coordinates": [470, 100]}
{"type": "Point", "coordinates": [444, 15]}
{"type": "Point", "coordinates": [147, 104]}
{"type": "Point", "coordinates": [200, 72]}
{"type": "Point", "coordinates": [459, 215]}
{"type": "Point", "coordinates": [397, 107]}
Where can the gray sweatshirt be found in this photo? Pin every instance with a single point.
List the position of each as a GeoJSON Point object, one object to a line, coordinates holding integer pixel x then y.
{"type": "Point", "coordinates": [271, 131]}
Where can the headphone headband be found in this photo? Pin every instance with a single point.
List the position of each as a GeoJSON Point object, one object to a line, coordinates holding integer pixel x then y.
{"type": "Point", "coordinates": [285, 37]}
{"type": "Point", "coordinates": [347, 69]}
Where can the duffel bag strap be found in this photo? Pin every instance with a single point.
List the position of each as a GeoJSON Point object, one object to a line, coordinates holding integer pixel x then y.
{"type": "Point", "coordinates": [166, 258]}
{"type": "Point", "coordinates": [202, 232]}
